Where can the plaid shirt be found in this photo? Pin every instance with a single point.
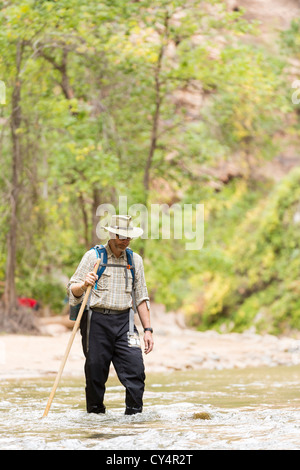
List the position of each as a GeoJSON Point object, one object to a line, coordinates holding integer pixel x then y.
{"type": "Point", "coordinates": [111, 290]}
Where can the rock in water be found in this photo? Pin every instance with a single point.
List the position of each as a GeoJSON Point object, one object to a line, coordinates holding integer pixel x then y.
{"type": "Point", "coordinates": [201, 415]}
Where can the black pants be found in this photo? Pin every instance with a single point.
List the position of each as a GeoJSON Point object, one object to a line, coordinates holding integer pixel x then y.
{"type": "Point", "coordinates": [106, 342]}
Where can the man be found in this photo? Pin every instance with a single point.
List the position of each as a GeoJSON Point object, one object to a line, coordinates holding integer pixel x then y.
{"type": "Point", "coordinates": [105, 334]}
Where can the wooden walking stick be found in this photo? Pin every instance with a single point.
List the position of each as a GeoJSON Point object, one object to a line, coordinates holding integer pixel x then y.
{"type": "Point", "coordinates": [75, 328]}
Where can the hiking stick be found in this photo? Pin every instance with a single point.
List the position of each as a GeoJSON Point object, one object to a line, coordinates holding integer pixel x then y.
{"type": "Point", "coordinates": [75, 328]}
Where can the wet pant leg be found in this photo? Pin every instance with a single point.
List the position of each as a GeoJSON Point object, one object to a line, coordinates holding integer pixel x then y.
{"type": "Point", "coordinates": [98, 350]}
{"type": "Point", "coordinates": [108, 342]}
{"type": "Point", "coordinates": [129, 365]}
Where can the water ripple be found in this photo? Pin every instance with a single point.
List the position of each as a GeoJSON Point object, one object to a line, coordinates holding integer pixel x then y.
{"type": "Point", "coordinates": [248, 410]}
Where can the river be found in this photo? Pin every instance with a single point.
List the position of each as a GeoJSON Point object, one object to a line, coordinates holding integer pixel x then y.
{"type": "Point", "coordinates": [249, 409]}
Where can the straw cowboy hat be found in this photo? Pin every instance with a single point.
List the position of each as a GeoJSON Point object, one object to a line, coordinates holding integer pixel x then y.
{"type": "Point", "coordinates": [122, 225]}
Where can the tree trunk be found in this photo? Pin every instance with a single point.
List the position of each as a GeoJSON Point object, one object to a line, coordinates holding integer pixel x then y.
{"type": "Point", "coordinates": [158, 102]}
{"type": "Point", "coordinates": [10, 296]}
{"type": "Point", "coordinates": [155, 121]}
{"type": "Point", "coordinates": [153, 140]}
{"type": "Point", "coordinates": [96, 203]}
{"type": "Point", "coordinates": [85, 219]}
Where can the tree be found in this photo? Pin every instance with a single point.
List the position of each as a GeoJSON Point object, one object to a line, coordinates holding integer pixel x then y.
{"type": "Point", "coordinates": [15, 39]}
{"type": "Point", "coordinates": [9, 296]}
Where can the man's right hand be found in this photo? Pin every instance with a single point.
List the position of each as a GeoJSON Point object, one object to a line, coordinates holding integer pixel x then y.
{"type": "Point", "coordinates": [90, 279]}
{"type": "Point", "coordinates": [80, 288]}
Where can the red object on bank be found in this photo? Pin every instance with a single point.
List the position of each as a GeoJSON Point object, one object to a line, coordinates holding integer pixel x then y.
{"type": "Point", "coordinates": [27, 302]}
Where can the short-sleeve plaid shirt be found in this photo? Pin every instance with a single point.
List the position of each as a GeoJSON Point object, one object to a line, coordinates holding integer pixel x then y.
{"type": "Point", "coordinates": [111, 289]}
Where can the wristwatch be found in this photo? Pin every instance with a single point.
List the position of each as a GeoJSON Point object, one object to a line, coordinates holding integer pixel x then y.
{"type": "Point", "coordinates": [148, 329]}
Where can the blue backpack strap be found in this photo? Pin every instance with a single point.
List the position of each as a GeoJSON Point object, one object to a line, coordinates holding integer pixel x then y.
{"type": "Point", "coordinates": [100, 251]}
{"type": "Point", "coordinates": [130, 261]}
{"type": "Point", "coordinates": [133, 309]}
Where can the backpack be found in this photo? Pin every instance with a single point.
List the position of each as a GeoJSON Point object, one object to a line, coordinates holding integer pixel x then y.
{"type": "Point", "coordinates": [102, 253]}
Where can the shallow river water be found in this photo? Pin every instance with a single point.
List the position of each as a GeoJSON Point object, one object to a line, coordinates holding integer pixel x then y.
{"type": "Point", "coordinates": [249, 409]}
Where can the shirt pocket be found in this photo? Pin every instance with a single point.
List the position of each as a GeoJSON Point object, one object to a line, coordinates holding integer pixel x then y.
{"type": "Point", "coordinates": [103, 282]}
{"type": "Point", "coordinates": [128, 287]}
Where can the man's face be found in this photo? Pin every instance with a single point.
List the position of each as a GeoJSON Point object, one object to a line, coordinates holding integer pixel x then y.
{"type": "Point", "coordinates": [120, 243]}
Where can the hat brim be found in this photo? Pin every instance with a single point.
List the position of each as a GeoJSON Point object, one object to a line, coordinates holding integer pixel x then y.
{"type": "Point", "coordinates": [135, 232]}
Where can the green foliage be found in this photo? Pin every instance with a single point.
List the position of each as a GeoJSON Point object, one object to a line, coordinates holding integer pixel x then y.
{"type": "Point", "coordinates": [105, 83]}
{"type": "Point", "coordinates": [261, 286]}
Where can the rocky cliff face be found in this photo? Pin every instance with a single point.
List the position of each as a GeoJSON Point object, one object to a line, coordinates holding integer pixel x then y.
{"type": "Point", "coordinates": [273, 14]}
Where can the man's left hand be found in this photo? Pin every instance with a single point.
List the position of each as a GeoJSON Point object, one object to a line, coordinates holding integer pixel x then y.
{"type": "Point", "coordinates": [148, 341]}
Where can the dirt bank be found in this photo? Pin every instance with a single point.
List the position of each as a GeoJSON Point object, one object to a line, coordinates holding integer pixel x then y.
{"type": "Point", "coordinates": [176, 348]}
